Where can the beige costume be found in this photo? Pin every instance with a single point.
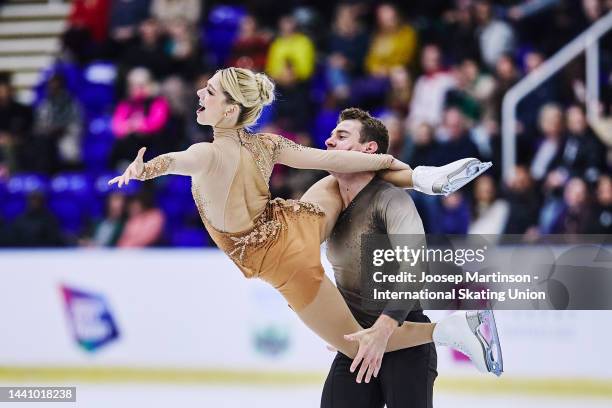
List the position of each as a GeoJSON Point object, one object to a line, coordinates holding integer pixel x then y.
{"type": "Point", "coordinates": [275, 240]}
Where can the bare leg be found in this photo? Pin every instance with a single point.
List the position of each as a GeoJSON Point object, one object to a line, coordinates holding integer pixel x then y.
{"type": "Point", "coordinates": [326, 194]}
{"type": "Point", "coordinates": [330, 318]}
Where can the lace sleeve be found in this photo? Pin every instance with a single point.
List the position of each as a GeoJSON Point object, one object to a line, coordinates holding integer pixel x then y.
{"type": "Point", "coordinates": [301, 157]}
{"type": "Point", "coordinates": [198, 158]}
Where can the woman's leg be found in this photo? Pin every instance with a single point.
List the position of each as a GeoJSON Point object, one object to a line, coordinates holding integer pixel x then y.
{"type": "Point", "coordinates": [330, 318]}
{"type": "Point", "coordinates": [326, 194]}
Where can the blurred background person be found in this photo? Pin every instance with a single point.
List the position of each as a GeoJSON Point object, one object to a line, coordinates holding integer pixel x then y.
{"type": "Point", "coordinates": [144, 225]}
{"type": "Point", "coordinates": [56, 135]}
{"type": "Point", "coordinates": [15, 125]}
{"type": "Point", "coordinates": [107, 231]}
{"type": "Point", "coordinates": [140, 119]}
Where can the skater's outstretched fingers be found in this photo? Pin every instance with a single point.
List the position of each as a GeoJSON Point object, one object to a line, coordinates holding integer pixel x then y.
{"type": "Point", "coordinates": [133, 170]}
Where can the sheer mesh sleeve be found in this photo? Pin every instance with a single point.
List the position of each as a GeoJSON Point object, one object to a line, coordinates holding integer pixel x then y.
{"type": "Point", "coordinates": [198, 158]}
{"type": "Point", "coordinates": [302, 157]}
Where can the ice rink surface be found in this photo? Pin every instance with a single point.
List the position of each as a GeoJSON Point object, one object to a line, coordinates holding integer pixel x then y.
{"type": "Point", "coordinates": [211, 396]}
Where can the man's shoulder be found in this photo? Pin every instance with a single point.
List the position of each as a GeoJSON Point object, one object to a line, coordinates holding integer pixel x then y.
{"type": "Point", "coordinates": [387, 191]}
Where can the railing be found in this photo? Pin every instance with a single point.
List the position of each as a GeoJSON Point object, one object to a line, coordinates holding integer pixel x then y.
{"type": "Point", "coordinates": [589, 41]}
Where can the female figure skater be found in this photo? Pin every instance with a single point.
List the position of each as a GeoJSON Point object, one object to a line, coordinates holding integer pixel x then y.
{"type": "Point", "coordinates": [279, 240]}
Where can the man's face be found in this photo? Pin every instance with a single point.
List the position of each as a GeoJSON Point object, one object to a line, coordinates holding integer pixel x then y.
{"type": "Point", "coordinates": [346, 136]}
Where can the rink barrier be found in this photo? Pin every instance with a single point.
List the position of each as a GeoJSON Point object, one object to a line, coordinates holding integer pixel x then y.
{"type": "Point", "coordinates": [570, 387]}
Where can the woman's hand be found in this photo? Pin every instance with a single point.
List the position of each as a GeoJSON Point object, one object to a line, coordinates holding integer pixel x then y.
{"type": "Point", "coordinates": [133, 170]}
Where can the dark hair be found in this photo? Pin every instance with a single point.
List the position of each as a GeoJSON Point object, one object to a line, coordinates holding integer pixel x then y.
{"type": "Point", "coordinates": [5, 78]}
{"type": "Point", "coordinates": [372, 129]}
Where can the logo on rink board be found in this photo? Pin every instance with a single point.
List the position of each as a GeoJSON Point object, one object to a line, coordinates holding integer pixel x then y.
{"type": "Point", "coordinates": [90, 318]}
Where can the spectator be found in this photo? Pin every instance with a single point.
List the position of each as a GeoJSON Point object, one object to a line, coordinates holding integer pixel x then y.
{"type": "Point", "coordinates": [250, 49]}
{"type": "Point", "coordinates": [573, 214]}
{"type": "Point", "coordinates": [459, 34]}
{"type": "Point", "coordinates": [107, 232]}
{"type": "Point", "coordinates": [551, 126]}
{"type": "Point", "coordinates": [430, 90]}
{"type": "Point", "coordinates": [474, 89]}
{"type": "Point", "coordinates": [37, 227]}
{"type": "Point", "coordinates": [144, 225]}
{"type": "Point", "coordinates": [583, 154]}
{"type": "Point", "coordinates": [15, 125]}
{"type": "Point", "coordinates": [394, 42]}
{"type": "Point", "coordinates": [393, 123]}
{"type": "Point", "coordinates": [528, 108]}
{"type": "Point", "coordinates": [495, 36]}
{"type": "Point", "coordinates": [453, 216]}
{"type": "Point", "coordinates": [140, 119]}
{"type": "Point", "coordinates": [506, 76]}
{"type": "Point", "coordinates": [183, 50]}
{"type": "Point", "coordinates": [292, 54]}
{"type": "Point", "coordinates": [88, 28]}
{"type": "Point", "coordinates": [56, 143]}
{"type": "Point", "coordinates": [489, 213]}
{"type": "Point", "coordinates": [167, 11]}
{"type": "Point", "coordinates": [347, 47]}
{"type": "Point", "coordinates": [125, 17]}
{"type": "Point", "coordinates": [601, 220]}
{"type": "Point", "coordinates": [454, 139]}
{"type": "Point", "coordinates": [422, 147]}
{"type": "Point", "coordinates": [400, 91]}
{"type": "Point", "coordinates": [149, 50]}
{"type": "Point", "coordinates": [524, 203]}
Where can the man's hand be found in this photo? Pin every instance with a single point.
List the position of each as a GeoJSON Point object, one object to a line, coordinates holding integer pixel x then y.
{"type": "Point", "coordinates": [372, 344]}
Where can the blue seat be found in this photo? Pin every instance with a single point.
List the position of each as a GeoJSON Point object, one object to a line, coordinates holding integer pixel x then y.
{"type": "Point", "coordinates": [16, 191]}
{"type": "Point", "coordinates": [221, 30]}
{"type": "Point", "coordinates": [96, 154]}
{"type": "Point", "coordinates": [72, 199]}
{"type": "Point", "coordinates": [188, 237]}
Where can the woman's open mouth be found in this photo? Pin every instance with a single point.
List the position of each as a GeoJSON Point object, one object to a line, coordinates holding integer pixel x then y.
{"type": "Point", "coordinates": [200, 108]}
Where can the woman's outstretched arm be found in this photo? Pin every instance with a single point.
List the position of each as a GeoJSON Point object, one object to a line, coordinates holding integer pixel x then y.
{"type": "Point", "coordinates": [198, 158]}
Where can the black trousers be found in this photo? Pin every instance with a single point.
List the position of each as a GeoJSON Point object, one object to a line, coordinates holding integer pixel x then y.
{"type": "Point", "coordinates": [405, 380]}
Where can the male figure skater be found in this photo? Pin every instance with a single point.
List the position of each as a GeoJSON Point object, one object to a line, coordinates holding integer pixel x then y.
{"type": "Point", "coordinates": [404, 378]}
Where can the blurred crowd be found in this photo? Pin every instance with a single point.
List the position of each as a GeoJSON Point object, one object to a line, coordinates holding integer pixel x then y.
{"type": "Point", "coordinates": [435, 72]}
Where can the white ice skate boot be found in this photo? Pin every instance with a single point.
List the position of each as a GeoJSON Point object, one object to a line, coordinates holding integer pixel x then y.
{"type": "Point", "coordinates": [461, 331]}
{"type": "Point", "coordinates": [446, 179]}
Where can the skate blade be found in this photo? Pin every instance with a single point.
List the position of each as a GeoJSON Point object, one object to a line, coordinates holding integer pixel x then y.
{"type": "Point", "coordinates": [492, 348]}
{"type": "Point", "coordinates": [467, 173]}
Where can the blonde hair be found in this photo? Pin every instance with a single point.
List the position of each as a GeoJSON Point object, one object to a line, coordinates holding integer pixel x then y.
{"type": "Point", "coordinates": [251, 91]}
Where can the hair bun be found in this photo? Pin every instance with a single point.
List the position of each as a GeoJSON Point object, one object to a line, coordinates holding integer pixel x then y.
{"type": "Point", "coordinates": [266, 88]}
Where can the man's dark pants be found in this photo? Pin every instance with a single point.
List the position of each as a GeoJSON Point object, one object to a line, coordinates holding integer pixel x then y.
{"type": "Point", "coordinates": [405, 380]}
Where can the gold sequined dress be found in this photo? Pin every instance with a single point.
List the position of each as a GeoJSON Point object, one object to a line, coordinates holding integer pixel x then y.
{"type": "Point", "coordinates": [276, 240]}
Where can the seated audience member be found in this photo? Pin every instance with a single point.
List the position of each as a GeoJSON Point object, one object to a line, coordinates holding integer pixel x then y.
{"type": "Point", "coordinates": [347, 47]}
{"type": "Point", "coordinates": [489, 213]}
{"type": "Point", "coordinates": [37, 226]}
{"type": "Point", "coordinates": [250, 49]}
{"type": "Point", "coordinates": [601, 220]}
{"type": "Point", "coordinates": [292, 54]}
{"type": "Point", "coordinates": [56, 135]}
{"type": "Point", "coordinates": [524, 203]}
{"type": "Point", "coordinates": [551, 144]}
{"type": "Point", "coordinates": [15, 125]}
{"type": "Point", "coordinates": [393, 44]}
{"type": "Point", "coordinates": [430, 89]}
{"type": "Point", "coordinates": [140, 119]}
{"type": "Point", "coordinates": [106, 232]}
{"type": "Point", "coordinates": [144, 225]}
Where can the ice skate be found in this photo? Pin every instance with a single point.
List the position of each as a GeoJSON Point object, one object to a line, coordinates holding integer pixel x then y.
{"type": "Point", "coordinates": [447, 179]}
